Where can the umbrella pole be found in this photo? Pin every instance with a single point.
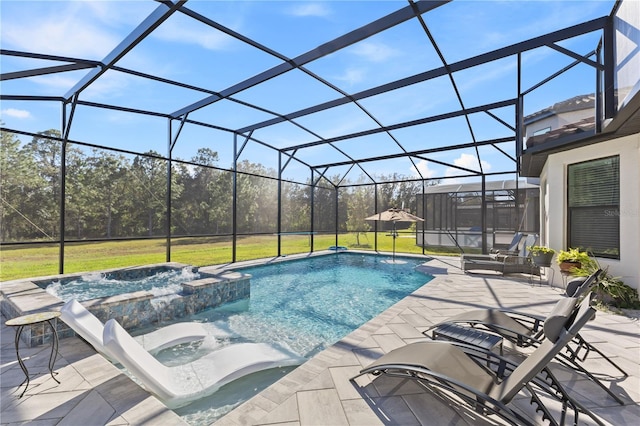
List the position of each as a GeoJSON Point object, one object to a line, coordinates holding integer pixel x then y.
{"type": "Point", "coordinates": [393, 256]}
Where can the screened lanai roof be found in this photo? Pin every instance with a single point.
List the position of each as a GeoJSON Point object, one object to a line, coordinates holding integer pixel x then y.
{"type": "Point", "coordinates": [341, 89]}
{"type": "Point", "coordinates": [494, 185]}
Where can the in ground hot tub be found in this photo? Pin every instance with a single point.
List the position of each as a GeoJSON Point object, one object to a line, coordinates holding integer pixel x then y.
{"type": "Point", "coordinates": [135, 297]}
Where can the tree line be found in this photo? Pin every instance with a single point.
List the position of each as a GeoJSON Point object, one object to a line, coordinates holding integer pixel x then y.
{"type": "Point", "coordinates": [109, 194]}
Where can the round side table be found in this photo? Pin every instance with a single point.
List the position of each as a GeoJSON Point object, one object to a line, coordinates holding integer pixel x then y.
{"type": "Point", "coordinates": [31, 319]}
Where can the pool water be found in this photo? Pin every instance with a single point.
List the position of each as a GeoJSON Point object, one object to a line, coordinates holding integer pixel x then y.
{"type": "Point", "coordinates": [306, 305]}
{"type": "Point", "coordinates": [92, 286]}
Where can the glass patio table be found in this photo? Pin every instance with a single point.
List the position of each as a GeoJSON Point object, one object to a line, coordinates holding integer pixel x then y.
{"type": "Point", "coordinates": [31, 319]}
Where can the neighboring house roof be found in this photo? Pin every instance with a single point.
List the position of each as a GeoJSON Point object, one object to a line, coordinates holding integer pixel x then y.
{"type": "Point", "coordinates": [497, 185]}
{"type": "Point", "coordinates": [583, 126]}
{"type": "Point", "coordinates": [576, 103]}
{"type": "Point", "coordinates": [625, 122]}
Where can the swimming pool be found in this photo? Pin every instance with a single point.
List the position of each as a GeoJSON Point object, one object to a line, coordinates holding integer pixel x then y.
{"type": "Point", "coordinates": [307, 305]}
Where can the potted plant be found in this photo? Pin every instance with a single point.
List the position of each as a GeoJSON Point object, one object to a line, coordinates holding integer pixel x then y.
{"type": "Point", "coordinates": [572, 259]}
{"type": "Point", "coordinates": [541, 255]}
{"type": "Point", "coordinates": [611, 290]}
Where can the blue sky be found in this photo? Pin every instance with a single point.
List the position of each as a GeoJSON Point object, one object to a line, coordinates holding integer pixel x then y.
{"type": "Point", "coordinates": [190, 52]}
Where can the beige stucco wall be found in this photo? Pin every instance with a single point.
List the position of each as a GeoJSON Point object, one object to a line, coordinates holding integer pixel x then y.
{"type": "Point", "coordinates": [553, 203]}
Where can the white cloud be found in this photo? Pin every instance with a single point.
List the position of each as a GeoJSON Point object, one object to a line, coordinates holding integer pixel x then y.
{"type": "Point", "coordinates": [467, 161]}
{"type": "Point", "coordinates": [16, 113]}
{"type": "Point", "coordinates": [352, 76]}
{"type": "Point", "coordinates": [422, 167]}
{"type": "Point", "coordinates": [369, 52]}
{"type": "Point", "coordinates": [109, 85]}
{"type": "Point", "coordinates": [178, 30]}
{"type": "Point", "coordinates": [374, 52]}
{"type": "Point", "coordinates": [67, 32]}
{"type": "Point", "coordinates": [310, 9]}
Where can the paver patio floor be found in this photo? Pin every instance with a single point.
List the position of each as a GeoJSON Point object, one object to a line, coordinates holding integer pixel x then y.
{"type": "Point", "coordinates": [93, 391]}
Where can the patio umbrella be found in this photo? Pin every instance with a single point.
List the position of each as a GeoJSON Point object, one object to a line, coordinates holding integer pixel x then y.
{"type": "Point", "coordinates": [394, 215]}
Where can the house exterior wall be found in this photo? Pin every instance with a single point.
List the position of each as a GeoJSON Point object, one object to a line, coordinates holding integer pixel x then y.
{"type": "Point", "coordinates": [553, 204]}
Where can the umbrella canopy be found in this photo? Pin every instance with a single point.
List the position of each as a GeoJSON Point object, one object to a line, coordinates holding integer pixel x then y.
{"type": "Point", "coordinates": [395, 215]}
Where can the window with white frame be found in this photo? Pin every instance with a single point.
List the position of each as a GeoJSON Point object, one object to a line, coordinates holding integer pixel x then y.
{"type": "Point", "coordinates": [594, 206]}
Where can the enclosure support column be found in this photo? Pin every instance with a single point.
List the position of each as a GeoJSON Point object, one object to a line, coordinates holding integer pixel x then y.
{"type": "Point", "coordinates": [279, 226]}
{"type": "Point", "coordinates": [312, 210]}
{"type": "Point", "coordinates": [516, 200]}
{"type": "Point", "coordinates": [234, 203]}
{"type": "Point", "coordinates": [66, 127]}
{"type": "Point", "coordinates": [63, 181]}
{"type": "Point", "coordinates": [483, 215]}
{"type": "Point", "coordinates": [336, 217]}
{"type": "Point", "coordinates": [168, 198]}
{"type": "Point", "coordinates": [609, 70]}
{"type": "Point", "coordinates": [519, 139]}
{"type": "Point", "coordinates": [375, 211]}
{"type": "Point", "coordinates": [424, 216]}
{"type": "Point", "coordinates": [172, 140]}
{"type": "Point", "coordinates": [598, 92]}
{"type": "Point", "coordinates": [519, 116]}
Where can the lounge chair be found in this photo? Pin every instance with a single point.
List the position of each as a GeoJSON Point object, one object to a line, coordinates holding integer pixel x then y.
{"type": "Point", "coordinates": [505, 263]}
{"type": "Point", "coordinates": [458, 369]}
{"type": "Point", "coordinates": [525, 330]}
{"type": "Point", "coordinates": [492, 261]}
{"type": "Point", "coordinates": [514, 246]}
{"type": "Point", "coordinates": [180, 385]}
{"type": "Point", "coordinates": [91, 329]}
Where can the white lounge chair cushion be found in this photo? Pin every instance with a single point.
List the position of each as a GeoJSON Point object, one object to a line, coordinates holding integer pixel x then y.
{"type": "Point", "coordinates": [85, 324]}
{"type": "Point", "coordinates": [172, 335]}
{"type": "Point", "coordinates": [91, 329]}
{"type": "Point", "coordinates": [180, 385]}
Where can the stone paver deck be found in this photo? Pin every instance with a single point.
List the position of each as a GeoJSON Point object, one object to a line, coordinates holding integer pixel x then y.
{"type": "Point", "coordinates": [93, 391]}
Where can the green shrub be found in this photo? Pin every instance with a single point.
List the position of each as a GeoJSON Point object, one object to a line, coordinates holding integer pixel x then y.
{"type": "Point", "coordinates": [541, 250]}
{"type": "Point", "coordinates": [610, 290]}
{"type": "Point", "coordinates": [575, 255]}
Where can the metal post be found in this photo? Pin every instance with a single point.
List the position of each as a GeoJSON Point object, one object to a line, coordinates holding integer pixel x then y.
{"type": "Point", "coordinates": [519, 116]}
{"type": "Point", "coordinates": [63, 182]}
{"type": "Point", "coordinates": [599, 110]}
{"type": "Point", "coordinates": [424, 215]}
{"type": "Point", "coordinates": [483, 215]}
{"type": "Point", "coordinates": [66, 127]}
{"type": "Point", "coordinates": [234, 223]}
{"type": "Point", "coordinates": [279, 226]}
{"type": "Point", "coordinates": [337, 208]}
{"type": "Point", "coordinates": [312, 210]}
{"type": "Point", "coordinates": [168, 196]}
{"type": "Point", "coordinates": [516, 200]}
{"type": "Point", "coordinates": [609, 69]}
{"type": "Point", "coordinates": [375, 222]}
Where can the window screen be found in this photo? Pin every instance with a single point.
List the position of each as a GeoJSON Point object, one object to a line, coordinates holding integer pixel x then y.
{"type": "Point", "coordinates": [594, 206]}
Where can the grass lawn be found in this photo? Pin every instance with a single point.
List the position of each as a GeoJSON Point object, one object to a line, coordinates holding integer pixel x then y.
{"type": "Point", "coordinates": [27, 261]}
